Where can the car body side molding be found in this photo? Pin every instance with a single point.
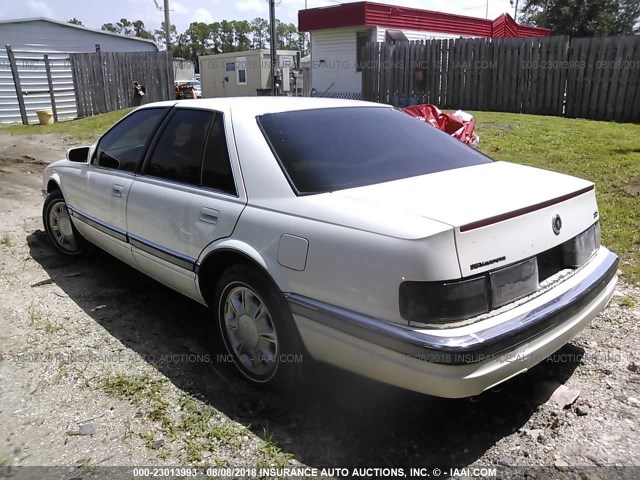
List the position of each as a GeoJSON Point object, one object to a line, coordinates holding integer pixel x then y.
{"type": "Point", "coordinates": [112, 230]}
{"type": "Point", "coordinates": [152, 248]}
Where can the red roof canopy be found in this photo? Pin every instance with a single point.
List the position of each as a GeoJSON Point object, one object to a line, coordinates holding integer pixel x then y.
{"type": "Point", "coordinates": [392, 16]}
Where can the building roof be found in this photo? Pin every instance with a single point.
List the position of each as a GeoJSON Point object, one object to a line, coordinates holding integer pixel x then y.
{"type": "Point", "coordinates": [393, 16]}
{"type": "Point", "coordinates": [263, 51]}
{"type": "Point", "coordinates": [72, 25]}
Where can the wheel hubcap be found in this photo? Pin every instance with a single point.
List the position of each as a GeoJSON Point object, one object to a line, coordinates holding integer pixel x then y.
{"type": "Point", "coordinates": [61, 227]}
{"type": "Point", "coordinates": [250, 330]}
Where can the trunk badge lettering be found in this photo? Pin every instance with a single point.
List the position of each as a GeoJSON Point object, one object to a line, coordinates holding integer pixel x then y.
{"type": "Point", "coordinates": [474, 266]}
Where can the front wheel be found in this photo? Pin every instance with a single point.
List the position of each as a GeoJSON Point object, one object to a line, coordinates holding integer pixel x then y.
{"type": "Point", "coordinates": [59, 227]}
{"type": "Point", "coordinates": [257, 327]}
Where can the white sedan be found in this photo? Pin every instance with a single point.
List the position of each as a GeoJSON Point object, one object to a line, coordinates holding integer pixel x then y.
{"type": "Point", "coordinates": [346, 231]}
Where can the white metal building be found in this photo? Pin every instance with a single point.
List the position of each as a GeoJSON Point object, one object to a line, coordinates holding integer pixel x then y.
{"type": "Point", "coordinates": [30, 39]}
{"type": "Point", "coordinates": [241, 74]}
{"type": "Point", "coordinates": [339, 32]}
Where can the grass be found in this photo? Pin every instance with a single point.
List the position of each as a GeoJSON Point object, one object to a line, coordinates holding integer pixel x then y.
{"type": "Point", "coordinates": [273, 456]}
{"type": "Point", "coordinates": [198, 427]}
{"type": "Point", "coordinates": [6, 240]}
{"type": "Point", "coordinates": [626, 301]}
{"type": "Point", "coordinates": [83, 130]}
{"type": "Point", "coordinates": [206, 430]}
{"type": "Point", "coordinates": [606, 153]}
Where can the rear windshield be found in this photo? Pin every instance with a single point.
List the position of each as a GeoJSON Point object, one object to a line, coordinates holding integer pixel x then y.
{"type": "Point", "coordinates": [336, 148]}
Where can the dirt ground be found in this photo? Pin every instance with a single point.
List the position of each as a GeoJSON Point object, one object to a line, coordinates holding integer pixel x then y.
{"type": "Point", "coordinates": [101, 366]}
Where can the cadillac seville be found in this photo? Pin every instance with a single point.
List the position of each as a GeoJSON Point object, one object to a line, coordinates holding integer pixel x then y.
{"type": "Point", "coordinates": [343, 231]}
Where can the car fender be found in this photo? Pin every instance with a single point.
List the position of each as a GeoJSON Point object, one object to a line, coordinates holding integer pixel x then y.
{"type": "Point", "coordinates": [269, 265]}
{"type": "Point", "coordinates": [50, 175]}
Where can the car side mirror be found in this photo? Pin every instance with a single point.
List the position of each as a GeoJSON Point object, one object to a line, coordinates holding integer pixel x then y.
{"type": "Point", "coordinates": [107, 161]}
{"type": "Point", "coordinates": [78, 154]}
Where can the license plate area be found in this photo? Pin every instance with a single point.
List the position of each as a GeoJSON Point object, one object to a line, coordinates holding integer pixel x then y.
{"type": "Point", "coordinates": [514, 282]}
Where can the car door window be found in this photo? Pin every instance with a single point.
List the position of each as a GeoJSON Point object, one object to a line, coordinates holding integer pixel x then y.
{"type": "Point", "coordinates": [178, 154]}
{"type": "Point", "coordinates": [216, 169]}
{"type": "Point", "coordinates": [122, 147]}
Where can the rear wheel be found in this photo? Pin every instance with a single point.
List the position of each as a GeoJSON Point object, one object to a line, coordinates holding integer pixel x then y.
{"type": "Point", "coordinates": [257, 327]}
{"type": "Point", "coordinates": [59, 227]}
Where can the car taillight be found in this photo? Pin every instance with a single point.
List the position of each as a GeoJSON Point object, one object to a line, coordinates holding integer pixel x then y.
{"type": "Point", "coordinates": [450, 301]}
{"type": "Point", "coordinates": [444, 302]}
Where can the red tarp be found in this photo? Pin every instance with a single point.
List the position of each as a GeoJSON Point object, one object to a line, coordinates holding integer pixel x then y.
{"type": "Point", "coordinates": [459, 125]}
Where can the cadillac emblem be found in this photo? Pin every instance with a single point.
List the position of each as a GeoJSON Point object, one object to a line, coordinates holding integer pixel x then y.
{"type": "Point", "coordinates": [556, 224]}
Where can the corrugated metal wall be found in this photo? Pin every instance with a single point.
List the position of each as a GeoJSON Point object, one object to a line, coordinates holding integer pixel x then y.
{"type": "Point", "coordinates": [30, 41]}
{"type": "Point", "coordinates": [8, 101]}
{"type": "Point", "coordinates": [333, 61]}
{"type": "Point", "coordinates": [33, 80]}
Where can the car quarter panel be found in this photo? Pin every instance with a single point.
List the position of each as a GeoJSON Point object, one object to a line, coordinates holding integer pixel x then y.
{"type": "Point", "coordinates": [349, 267]}
{"type": "Point", "coordinates": [358, 253]}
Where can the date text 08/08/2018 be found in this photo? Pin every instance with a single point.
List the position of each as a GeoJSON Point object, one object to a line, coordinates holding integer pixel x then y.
{"type": "Point", "coordinates": [292, 472]}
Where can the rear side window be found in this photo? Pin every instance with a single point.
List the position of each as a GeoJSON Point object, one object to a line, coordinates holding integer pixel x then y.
{"type": "Point", "coordinates": [216, 168]}
{"type": "Point", "coordinates": [178, 154]}
{"type": "Point", "coordinates": [122, 147]}
{"type": "Point", "coordinates": [336, 148]}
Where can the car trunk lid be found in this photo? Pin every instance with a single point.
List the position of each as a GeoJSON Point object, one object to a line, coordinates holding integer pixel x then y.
{"type": "Point", "coordinates": [501, 212]}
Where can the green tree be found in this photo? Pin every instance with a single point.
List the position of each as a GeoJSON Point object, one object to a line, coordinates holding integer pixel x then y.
{"type": "Point", "coordinates": [109, 27]}
{"type": "Point", "coordinates": [584, 18]}
{"type": "Point", "coordinates": [125, 27]}
{"type": "Point", "coordinates": [227, 34]}
{"type": "Point", "coordinates": [259, 33]}
{"type": "Point", "coordinates": [75, 21]}
{"type": "Point", "coordinates": [140, 31]}
{"type": "Point", "coordinates": [161, 40]}
{"type": "Point", "coordinates": [197, 40]}
{"type": "Point", "coordinates": [242, 30]}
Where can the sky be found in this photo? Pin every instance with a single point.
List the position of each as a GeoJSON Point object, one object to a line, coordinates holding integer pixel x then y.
{"type": "Point", "coordinates": [94, 13]}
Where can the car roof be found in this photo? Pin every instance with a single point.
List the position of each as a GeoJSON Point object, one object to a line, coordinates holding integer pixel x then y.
{"type": "Point", "coordinates": [255, 106]}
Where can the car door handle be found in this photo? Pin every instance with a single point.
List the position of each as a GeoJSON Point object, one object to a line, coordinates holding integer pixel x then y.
{"type": "Point", "coordinates": [116, 190]}
{"type": "Point", "coordinates": [209, 215]}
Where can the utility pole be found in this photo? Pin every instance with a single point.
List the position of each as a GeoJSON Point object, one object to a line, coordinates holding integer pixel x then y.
{"type": "Point", "coordinates": [167, 25]}
{"type": "Point", "coordinates": [274, 55]}
{"type": "Point", "coordinates": [515, 10]}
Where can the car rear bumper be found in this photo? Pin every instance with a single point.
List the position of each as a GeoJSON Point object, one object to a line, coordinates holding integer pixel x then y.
{"type": "Point", "coordinates": [463, 361]}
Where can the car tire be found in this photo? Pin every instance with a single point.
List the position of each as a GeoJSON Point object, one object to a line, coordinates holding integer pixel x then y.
{"type": "Point", "coordinates": [257, 328]}
{"type": "Point", "coordinates": [59, 226]}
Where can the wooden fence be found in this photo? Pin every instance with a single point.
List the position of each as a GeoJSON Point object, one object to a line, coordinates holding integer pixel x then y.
{"type": "Point", "coordinates": [104, 80]}
{"type": "Point", "coordinates": [596, 78]}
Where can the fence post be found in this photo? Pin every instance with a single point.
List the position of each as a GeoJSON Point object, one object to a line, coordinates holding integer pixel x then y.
{"type": "Point", "coordinates": [76, 86]}
{"type": "Point", "coordinates": [16, 83]}
{"type": "Point", "coordinates": [47, 67]}
{"type": "Point", "coordinates": [104, 82]}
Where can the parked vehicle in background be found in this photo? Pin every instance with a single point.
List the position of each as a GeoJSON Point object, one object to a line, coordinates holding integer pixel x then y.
{"type": "Point", "coordinates": [344, 231]}
{"type": "Point", "coordinates": [196, 86]}
{"type": "Point", "coordinates": [185, 90]}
